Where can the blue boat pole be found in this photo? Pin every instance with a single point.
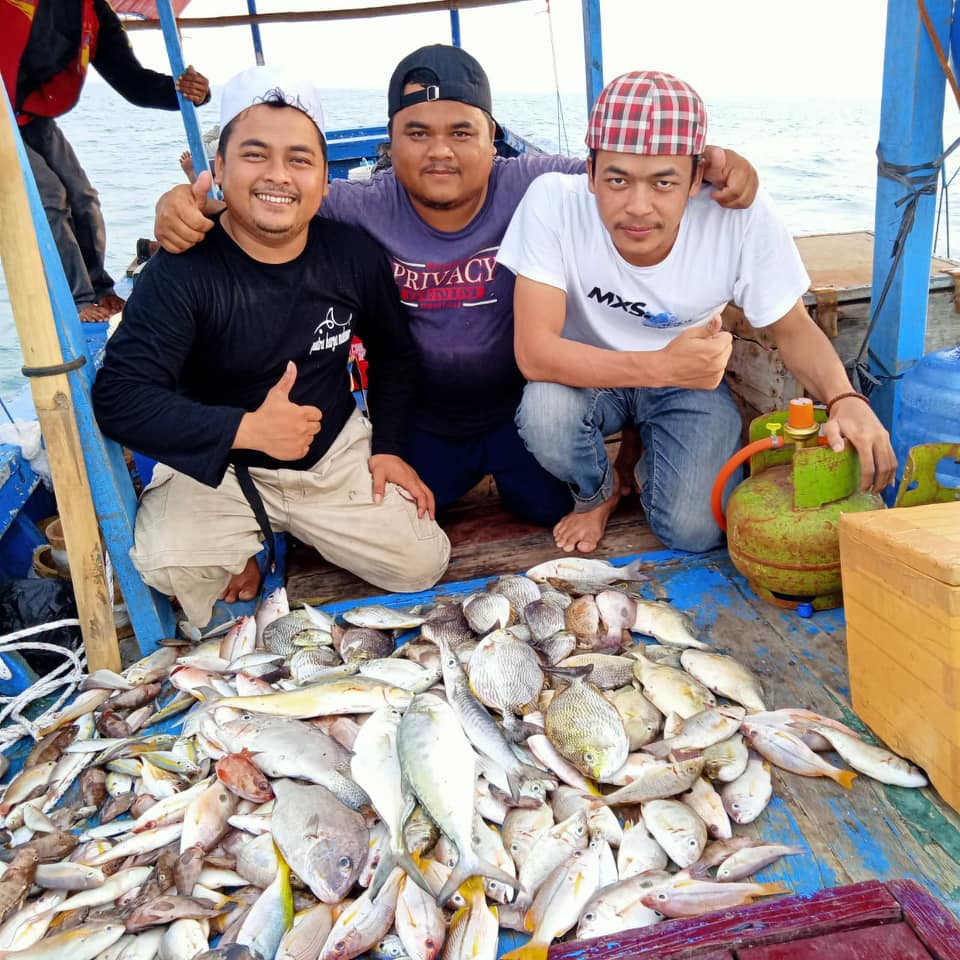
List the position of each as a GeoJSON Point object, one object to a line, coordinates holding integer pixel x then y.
{"type": "Point", "coordinates": [188, 110]}
{"type": "Point", "coordinates": [592, 50]}
{"type": "Point", "coordinates": [911, 135]}
{"type": "Point", "coordinates": [111, 489]}
{"type": "Point", "coordinates": [255, 33]}
{"type": "Point", "coordinates": [455, 27]}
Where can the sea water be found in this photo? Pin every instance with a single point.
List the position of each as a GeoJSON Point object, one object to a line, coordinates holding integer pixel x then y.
{"type": "Point", "coordinates": [816, 158]}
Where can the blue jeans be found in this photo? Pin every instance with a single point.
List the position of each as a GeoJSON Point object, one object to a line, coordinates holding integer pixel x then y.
{"type": "Point", "coordinates": [687, 436]}
{"type": "Point", "coordinates": [451, 466]}
{"type": "Point", "coordinates": [73, 211]}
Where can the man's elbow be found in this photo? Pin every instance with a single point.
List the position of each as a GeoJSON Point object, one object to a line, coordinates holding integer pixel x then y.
{"type": "Point", "coordinates": [530, 361]}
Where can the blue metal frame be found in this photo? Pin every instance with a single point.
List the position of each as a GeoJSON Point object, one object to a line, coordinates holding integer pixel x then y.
{"type": "Point", "coordinates": [110, 485]}
{"type": "Point", "coordinates": [255, 33]}
{"type": "Point", "coordinates": [592, 50]}
{"type": "Point", "coordinates": [911, 134]}
{"type": "Point", "coordinates": [188, 111]}
{"type": "Point", "coordinates": [455, 27]}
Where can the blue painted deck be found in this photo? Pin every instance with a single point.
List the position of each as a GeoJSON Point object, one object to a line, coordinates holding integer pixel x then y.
{"type": "Point", "coordinates": [870, 832]}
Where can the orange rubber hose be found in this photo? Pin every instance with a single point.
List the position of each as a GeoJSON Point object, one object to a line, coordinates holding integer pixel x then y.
{"type": "Point", "coordinates": [716, 496]}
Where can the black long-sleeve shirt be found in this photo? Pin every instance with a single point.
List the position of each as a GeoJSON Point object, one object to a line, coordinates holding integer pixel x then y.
{"type": "Point", "coordinates": [206, 334]}
{"type": "Point", "coordinates": [55, 39]}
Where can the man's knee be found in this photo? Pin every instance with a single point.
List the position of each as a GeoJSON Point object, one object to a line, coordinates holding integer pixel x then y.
{"type": "Point", "coordinates": [418, 567]}
{"type": "Point", "coordinates": [547, 418]}
{"type": "Point", "coordinates": [679, 527]}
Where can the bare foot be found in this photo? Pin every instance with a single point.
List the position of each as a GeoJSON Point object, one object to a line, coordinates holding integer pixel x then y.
{"type": "Point", "coordinates": [94, 313]}
{"type": "Point", "coordinates": [243, 585]}
{"type": "Point", "coordinates": [186, 165]}
{"type": "Point", "coordinates": [112, 302]}
{"type": "Point", "coordinates": [626, 463]}
{"type": "Point", "coordinates": [583, 531]}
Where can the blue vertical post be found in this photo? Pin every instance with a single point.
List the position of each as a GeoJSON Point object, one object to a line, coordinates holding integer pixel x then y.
{"type": "Point", "coordinates": [911, 134]}
{"type": "Point", "coordinates": [255, 33]}
{"type": "Point", "coordinates": [171, 37]}
{"type": "Point", "coordinates": [110, 486]}
{"type": "Point", "coordinates": [455, 27]}
{"type": "Point", "coordinates": [592, 50]}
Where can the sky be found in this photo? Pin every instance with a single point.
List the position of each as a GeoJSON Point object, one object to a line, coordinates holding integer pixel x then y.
{"type": "Point", "coordinates": [749, 48]}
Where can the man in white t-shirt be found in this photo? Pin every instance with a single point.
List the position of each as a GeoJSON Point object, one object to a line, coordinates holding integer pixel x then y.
{"type": "Point", "coordinates": [621, 277]}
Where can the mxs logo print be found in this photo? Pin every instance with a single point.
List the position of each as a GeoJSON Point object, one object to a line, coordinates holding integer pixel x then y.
{"type": "Point", "coordinates": [636, 308]}
{"type": "Point", "coordinates": [460, 283]}
{"type": "Point", "coordinates": [331, 333]}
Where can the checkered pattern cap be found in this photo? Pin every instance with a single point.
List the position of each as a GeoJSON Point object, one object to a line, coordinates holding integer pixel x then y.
{"type": "Point", "coordinates": [649, 113]}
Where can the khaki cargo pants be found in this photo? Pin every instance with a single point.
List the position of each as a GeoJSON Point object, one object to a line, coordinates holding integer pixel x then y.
{"type": "Point", "coordinates": [191, 538]}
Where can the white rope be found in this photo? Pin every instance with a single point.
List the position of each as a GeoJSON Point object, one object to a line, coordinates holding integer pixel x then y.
{"type": "Point", "coordinates": [563, 144]}
{"type": "Point", "coordinates": [68, 675]}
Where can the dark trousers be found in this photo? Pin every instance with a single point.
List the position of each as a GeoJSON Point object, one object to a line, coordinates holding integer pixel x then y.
{"type": "Point", "coordinates": [452, 466]}
{"type": "Point", "coordinates": [73, 210]}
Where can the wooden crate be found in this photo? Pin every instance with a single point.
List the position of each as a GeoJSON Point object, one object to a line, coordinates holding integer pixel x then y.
{"type": "Point", "coordinates": [840, 266]}
{"type": "Point", "coordinates": [901, 590]}
{"type": "Point", "coordinates": [898, 920]}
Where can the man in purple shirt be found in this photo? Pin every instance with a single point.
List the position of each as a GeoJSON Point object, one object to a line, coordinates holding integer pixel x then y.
{"type": "Point", "coordinates": [440, 213]}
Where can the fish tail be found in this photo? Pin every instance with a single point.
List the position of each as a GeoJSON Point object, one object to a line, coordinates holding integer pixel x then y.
{"type": "Point", "coordinates": [771, 889]}
{"type": "Point", "coordinates": [472, 866]}
{"type": "Point", "coordinates": [659, 749]}
{"type": "Point", "coordinates": [844, 777]}
{"type": "Point", "coordinates": [635, 570]}
{"type": "Point", "coordinates": [529, 951]}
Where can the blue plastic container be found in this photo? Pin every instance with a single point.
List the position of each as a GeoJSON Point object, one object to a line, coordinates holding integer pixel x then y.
{"type": "Point", "coordinates": [930, 410]}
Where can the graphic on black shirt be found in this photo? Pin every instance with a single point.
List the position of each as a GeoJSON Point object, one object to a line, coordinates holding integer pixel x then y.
{"type": "Point", "coordinates": [460, 283]}
{"type": "Point", "coordinates": [331, 332]}
{"type": "Point", "coordinates": [636, 308]}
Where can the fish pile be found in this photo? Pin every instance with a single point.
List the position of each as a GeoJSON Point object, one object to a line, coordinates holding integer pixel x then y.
{"type": "Point", "coordinates": [552, 755]}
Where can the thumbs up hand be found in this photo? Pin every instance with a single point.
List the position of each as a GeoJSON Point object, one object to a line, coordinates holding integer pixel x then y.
{"type": "Point", "coordinates": [279, 428]}
{"type": "Point", "coordinates": [697, 358]}
{"type": "Point", "coordinates": [180, 220]}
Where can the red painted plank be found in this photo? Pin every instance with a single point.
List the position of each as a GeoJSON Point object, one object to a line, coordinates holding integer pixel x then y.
{"type": "Point", "coordinates": [937, 928]}
{"type": "Point", "coordinates": [891, 941]}
{"type": "Point", "coordinates": [773, 921]}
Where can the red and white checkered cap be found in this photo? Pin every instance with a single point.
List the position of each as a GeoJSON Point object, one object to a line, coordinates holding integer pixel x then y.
{"type": "Point", "coordinates": [649, 113]}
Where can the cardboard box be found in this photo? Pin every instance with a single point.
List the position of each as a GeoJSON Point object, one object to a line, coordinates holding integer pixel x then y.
{"type": "Point", "coordinates": [901, 590]}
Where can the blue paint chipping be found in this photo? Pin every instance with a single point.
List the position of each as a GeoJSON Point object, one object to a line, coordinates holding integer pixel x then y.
{"type": "Point", "coordinates": [864, 839]}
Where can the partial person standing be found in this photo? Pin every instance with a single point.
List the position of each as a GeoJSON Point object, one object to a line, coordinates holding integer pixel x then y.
{"type": "Point", "coordinates": [621, 276]}
{"type": "Point", "coordinates": [46, 48]}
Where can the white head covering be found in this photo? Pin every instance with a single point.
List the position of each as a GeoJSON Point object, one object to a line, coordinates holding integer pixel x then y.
{"type": "Point", "coordinates": [257, 84]}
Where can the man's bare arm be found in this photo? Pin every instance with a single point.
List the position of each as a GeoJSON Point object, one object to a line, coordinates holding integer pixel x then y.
{"type": "Point", "coordinates": [695, 359]}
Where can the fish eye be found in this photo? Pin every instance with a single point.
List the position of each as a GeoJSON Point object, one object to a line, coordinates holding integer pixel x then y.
{"type": "Point", "coordinates": [429, 943]}
{"type": "Point", "coordinates": [692, 842]}
{"type": "Point", "coordinates": [735, 806]}
{"type": "Point", "coordinates": [514, 847]}
{"type": "Point", "coordinates": [492, 884]}
{"type": "Point", "coordinates": [344, 863]}
{"type": "Point", "coordinates": [340, 945]}
{"type": "Point", "coordinates": [588, 757]}
{"type": "Point", "coordinates": [588, 916]}
{"type": "Point", "coordinates": [661, 896]}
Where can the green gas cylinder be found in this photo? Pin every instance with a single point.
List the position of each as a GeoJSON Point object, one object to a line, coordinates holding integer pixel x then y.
{"type": "Point", "coordinates": [783, 520]}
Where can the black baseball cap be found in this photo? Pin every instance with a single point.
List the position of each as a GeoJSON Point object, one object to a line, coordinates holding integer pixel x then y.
{"type": "Point", "coordinates": [458, 77]}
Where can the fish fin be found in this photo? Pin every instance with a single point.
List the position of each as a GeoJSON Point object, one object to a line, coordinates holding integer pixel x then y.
{"type": "Point", "coordinates": [471, 888]}
{"type": "Point", "coordinates": [530, 951]}
{"type": "Point", "coordinates": [495, 912]}
{"type": "Point", "coordinates": [206, 694]}
{"type": "Point", "coordinates": [845, 778]}
{"type": "Point", "coordinates": [514, 782]}
{"type": "Point", "coordinates": [659, 749]}
{"type": "Point", "coordinates": [412, 870]}
{"type": "Point", "coordinates": [473, 867]}
{"type": "Point", "coordinates": [570, 673]}
{"type": "Point", "coordinates": [388, 860]}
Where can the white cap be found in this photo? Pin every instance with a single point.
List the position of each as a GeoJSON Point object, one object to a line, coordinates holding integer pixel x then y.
{"type": "Point", "coordinates": [257, 84]}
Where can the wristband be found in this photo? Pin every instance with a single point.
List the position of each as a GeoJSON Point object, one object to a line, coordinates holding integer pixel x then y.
{"type": "Point", "coordinates": [844, 396]}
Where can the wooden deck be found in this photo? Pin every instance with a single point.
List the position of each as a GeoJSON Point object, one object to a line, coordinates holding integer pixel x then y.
{"type": "Point", "coordinates": [870, 832]}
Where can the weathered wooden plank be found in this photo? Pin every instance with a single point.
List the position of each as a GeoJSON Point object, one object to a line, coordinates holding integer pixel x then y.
{"type": "Point", "coordinates": [773, 921]}
{"type": "Point", "coordinates": [934, 925]}
{"type": "Point", "coordinates": [894, 941]}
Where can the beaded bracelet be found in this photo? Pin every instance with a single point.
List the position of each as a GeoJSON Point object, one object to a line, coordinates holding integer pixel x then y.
{"type": "Point", "coordinates": [844, 396]}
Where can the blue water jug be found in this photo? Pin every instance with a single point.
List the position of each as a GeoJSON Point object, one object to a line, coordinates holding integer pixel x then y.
{"type": "Point", "coordinates": [930, 410]}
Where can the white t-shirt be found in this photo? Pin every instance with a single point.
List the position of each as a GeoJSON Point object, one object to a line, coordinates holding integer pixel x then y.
{"type": "Point", "coordinates": [746, 256]}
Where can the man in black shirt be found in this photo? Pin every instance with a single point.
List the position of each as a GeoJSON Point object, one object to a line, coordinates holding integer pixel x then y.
{"type": "Point", "coordinates": [230, 368]}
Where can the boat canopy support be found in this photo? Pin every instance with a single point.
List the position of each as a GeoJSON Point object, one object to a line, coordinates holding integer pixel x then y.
{"type": "Point", "coordinates": [909, 154]}
{"type": "Point", "coordinates": [592, 50]}
{"type": "Point", "coordinates": [348, 13]}
{"type": "Point", "coordinates": [86, 465]}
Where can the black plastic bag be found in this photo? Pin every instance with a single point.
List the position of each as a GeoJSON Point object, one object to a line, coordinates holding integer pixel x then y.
{"type": "Point", "coordinates": [31, 602]}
